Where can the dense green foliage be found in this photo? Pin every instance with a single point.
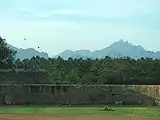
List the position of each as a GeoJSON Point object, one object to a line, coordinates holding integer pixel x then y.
{"type": "Point", "coordinates": [79, 71]}
{"type": "Point", "coordinates": [104, 71]}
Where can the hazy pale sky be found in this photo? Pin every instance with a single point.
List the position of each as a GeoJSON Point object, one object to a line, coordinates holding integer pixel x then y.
{"type": "Point", "coordinates": [57, 25]}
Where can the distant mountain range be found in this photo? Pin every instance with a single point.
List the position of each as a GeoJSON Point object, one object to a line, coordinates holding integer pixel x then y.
{"type": "Point", "coordinates": [116, 50]}
{"type": "Point", "coordinates": [28, 53]}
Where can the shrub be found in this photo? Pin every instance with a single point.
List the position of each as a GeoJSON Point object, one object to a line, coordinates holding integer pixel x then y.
{"type": "Point", "coordinates": [107, 109]}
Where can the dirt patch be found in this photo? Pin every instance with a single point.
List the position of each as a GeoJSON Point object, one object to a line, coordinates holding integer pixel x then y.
{"type": "Point", "coordinates": [64, 117]}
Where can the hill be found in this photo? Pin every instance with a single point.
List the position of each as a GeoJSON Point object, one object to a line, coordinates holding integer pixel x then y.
{"type": "Point", "coordinates": [28, 53]}
{"type": "Point", "coordinates": [117, 49]}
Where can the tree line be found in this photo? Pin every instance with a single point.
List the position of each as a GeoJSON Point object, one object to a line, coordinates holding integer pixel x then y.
{"type": "Point", "coordinates": [89, 71]}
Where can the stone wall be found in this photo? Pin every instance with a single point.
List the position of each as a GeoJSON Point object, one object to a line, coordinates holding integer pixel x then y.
{"type": "Point", "coordinates": [70, 94]}
{"type": "Point", "coordinates": [148, 90]}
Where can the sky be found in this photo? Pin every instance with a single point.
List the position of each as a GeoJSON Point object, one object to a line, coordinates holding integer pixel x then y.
{"type": "Point", "coordinates": [57, 25]}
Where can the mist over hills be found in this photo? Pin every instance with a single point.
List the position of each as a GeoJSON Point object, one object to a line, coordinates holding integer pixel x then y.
{"type": "Point", "coordinates": [115, 50]}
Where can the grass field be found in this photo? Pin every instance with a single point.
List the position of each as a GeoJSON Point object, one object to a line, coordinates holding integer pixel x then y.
{"type": "Point", "coordinates": [78, 113]}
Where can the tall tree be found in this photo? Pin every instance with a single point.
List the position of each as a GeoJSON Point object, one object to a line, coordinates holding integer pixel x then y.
{"type": "Point", "coordinates": [6, 55]}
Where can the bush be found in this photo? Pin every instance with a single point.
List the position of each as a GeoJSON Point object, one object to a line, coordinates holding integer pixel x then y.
{"type": "Point", "coordinates": [107, 109]}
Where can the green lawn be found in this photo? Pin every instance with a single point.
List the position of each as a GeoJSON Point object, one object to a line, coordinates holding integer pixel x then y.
{"type": "Point", "coordinates": [149, 112]}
